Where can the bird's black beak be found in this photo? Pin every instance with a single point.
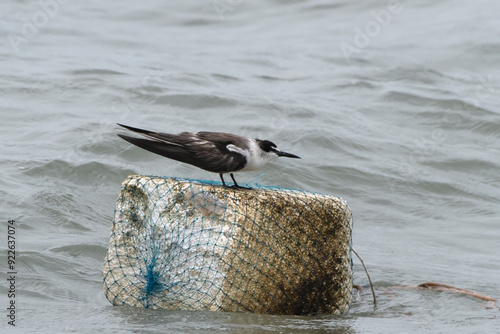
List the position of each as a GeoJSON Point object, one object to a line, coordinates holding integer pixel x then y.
{"type": "Point", "coordinates": [288, 155]}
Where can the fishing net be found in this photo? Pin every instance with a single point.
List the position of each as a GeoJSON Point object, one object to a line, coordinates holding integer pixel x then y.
{"type": "Point", "coordinates": [195, 245]}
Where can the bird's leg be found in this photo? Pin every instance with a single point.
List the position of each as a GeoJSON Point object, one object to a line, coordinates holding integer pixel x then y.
{"type": "Point", "coordinates": [222, 178]}
{"type": "Point", "coordinates": [235, 183]}
{"type": "Point", "coordinates": [236, 186]}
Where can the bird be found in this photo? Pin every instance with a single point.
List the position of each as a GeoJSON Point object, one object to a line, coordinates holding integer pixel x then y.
{"type": "Point", "coordinates": [216, 152]}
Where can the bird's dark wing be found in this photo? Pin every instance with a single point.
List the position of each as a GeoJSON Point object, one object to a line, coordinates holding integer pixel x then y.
{"type": "Point", "coordinates": [206, 150]}
{"type": "Point", "coordinates": [215, 152]}
{"type": "Point", "coordinates": [215, 157]}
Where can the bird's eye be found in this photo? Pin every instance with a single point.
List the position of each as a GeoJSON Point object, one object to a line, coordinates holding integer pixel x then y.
{"type": "Point", "coordinates": [266, 145]}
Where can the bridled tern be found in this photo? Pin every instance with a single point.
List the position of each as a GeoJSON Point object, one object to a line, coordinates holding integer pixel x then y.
{"type": "Point", "coordinates": [215, 152]}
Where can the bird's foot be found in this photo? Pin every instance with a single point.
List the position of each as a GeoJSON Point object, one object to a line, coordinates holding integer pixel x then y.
{"type": "Point", "coordinates": [236, 186]}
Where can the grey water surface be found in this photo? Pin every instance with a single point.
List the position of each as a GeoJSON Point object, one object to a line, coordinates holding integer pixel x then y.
{"type": "Point", "coordinates": [392, 105]}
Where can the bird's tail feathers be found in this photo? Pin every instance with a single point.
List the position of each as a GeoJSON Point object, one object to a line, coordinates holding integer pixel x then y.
{"type": "Point", "coordinates": [164, 137]}
{"type": "Point", "coordinates": [170, 151]}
